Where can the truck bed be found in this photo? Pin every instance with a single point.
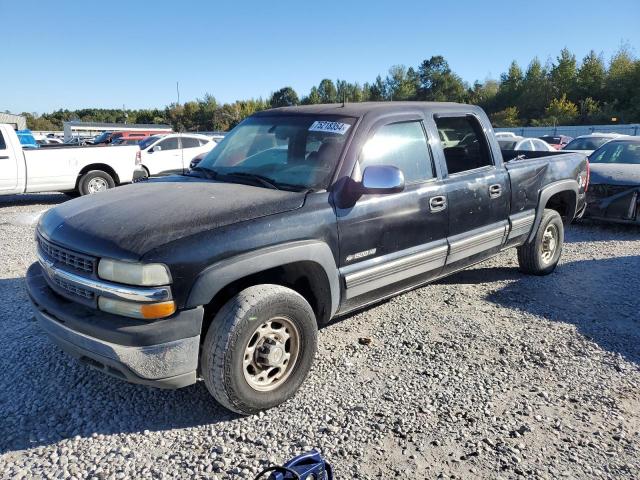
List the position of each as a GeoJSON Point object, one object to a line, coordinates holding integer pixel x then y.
{"type": "Point", "coordinates": [530, 171]}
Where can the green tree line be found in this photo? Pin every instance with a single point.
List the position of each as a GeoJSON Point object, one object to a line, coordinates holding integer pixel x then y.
{"type": "Point", "coordinates": [562, 91]}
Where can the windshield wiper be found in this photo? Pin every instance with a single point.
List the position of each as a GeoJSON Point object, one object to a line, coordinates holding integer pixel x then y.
{"type": "Point", "coordinates": [209, 174]}
{"type": "Point", "coordinates": [261, 179]}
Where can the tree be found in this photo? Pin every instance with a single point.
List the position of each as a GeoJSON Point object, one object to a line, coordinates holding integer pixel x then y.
{"type": "Point", "coordinates": [590, 77]}
{"type": "Point", "coordinates": [285, 97]}
{"type": "Point", "coordinates": [563, 74]}
{"type": "Point", "coordinates": [506, 118]}
{"type": "Point", "coordinates": [561, 112]}
{"type": "Point", "coordinates": [438, 83]}
{"type": "Point", "coordinates": [510, 87]}
{"type": "Point", "coordinates": [327, 91]}
{"type": "Point", "coordinates": [378, 90]}
{"type": "Point", "coordinates": [590, 111]}
{"type": "Point", "coordinates": [620, 83]}
{"type": "Point", "coordinates": [401, 83]}
{"type": "Point", "coordinates": [312, 98]}
{"type": "Point", "coordinates": [536, 91]}
{"type": "Point", "coordinates": [484, 94]}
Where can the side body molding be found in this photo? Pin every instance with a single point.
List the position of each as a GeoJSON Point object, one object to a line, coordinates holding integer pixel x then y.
{"type": "Point", "coordinates": [215, 277]}
{"type": "Point", "coordinates": [546, 193]}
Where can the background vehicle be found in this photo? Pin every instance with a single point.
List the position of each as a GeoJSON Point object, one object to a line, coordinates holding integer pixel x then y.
{"type": "Point", "coordinates": [614, 191]}
{"type": "Point", "coordinates": [109, 137]}
{"type": "Point", "coordinates": [126, 141]}
{"type": "Point", "coordinates": [587, 144]}
{"type": "Point", "coordinates": [556, 141]}
{"type": "Point", "coordinates": [524, 144]}
{"type": "Point", "coordinates": [197, 159]}
{"type": "Point", "coordinates": [27, 140]}
{"type": "Point", "coordinates": [167, 154]}
{"type": "Point", "coordinates": [84, 170]}
{"type": "Point", "coordinates": [299, 215]}
{"type": "Point", "coordinates": [49, 141]}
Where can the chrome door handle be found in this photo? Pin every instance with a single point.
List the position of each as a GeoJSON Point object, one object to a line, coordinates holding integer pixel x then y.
{"type": "Point", "coordinates": [495, 191]}
{"type": "Point", "coordinates": [437, 204]}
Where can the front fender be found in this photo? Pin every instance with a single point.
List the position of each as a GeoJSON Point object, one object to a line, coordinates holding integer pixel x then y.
{"type": "Point", "coordinates": [215, 277]}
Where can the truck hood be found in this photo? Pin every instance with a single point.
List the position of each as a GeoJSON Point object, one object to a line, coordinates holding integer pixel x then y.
{"type": "Point", "coordinates": [615, 174]}
{"type": "Point", "coordinates": [128, 221]}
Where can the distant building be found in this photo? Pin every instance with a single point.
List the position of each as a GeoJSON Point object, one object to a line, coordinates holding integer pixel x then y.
{"type": "Point", "coordinates": [17, 121]}
{"type": "Point", "coordinates": [91, 129]}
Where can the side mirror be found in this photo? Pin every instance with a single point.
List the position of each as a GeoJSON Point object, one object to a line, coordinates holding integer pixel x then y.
{"type": "Point", "coordinates": [157, 148]}
{"type": "Point", "coordinates": [382, 179]}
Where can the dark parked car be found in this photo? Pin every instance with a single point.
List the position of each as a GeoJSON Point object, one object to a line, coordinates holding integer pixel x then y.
{"type": "Point", "coordinates": [126, 141]}
{"type": "Point", "coordinates": [298, 216]}
{"type": "Point", "coordinates": [197, 159]}
{"type": "Point", "coordinates": [556, 141]}
{"type": "Point", "coordinates": [614, 190]}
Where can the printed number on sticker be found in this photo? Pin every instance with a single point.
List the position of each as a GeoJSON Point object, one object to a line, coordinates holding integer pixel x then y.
{"type": "Point", "coordinates": [330, 127]}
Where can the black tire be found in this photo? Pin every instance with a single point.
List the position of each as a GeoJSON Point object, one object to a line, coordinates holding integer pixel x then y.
{"type": "Point", "coordinates": [84, 184]}
{"type": "Point", "coordinates": [234, 327]}
{"type": "Point", "coordinates": [530, 255]}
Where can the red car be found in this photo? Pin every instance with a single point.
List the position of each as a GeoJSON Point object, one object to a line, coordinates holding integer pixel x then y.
{"type": "Point", "coordinates": [556, 141]}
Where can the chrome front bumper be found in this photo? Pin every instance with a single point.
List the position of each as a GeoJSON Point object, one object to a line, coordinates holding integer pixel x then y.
{"type": "Point", "coordinates": [163, 353]}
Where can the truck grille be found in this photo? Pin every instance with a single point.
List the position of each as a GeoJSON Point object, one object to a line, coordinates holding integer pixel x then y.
{"type": "Point", "coordinates": [62, 256]}
{"type": "Point", "coordinates": [74, 289]}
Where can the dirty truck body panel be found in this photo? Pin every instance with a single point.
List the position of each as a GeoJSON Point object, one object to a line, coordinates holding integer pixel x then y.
{"type": "Point", "coordinates": [339, 245]}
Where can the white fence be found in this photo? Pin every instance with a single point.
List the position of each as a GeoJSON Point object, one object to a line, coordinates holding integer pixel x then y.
{"type": "Point", "coordinates": [573, 130]}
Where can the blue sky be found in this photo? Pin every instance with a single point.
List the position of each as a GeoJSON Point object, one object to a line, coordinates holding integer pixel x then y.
{"type": "Point", "coordinates": [83, 54]}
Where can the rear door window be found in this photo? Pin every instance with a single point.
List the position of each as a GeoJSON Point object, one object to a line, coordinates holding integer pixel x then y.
{"type": "Point", "coordinates": [402, 145]}
{"type": "Point", "coordinates": [472, 151]}
{"type": "Point", "coordinates": [169, 144]}
{"type": "Point", "coordinates": [190, 142]}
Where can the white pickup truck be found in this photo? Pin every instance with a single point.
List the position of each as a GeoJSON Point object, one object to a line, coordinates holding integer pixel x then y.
{"type": "Point", "coordinates": [82, 170]}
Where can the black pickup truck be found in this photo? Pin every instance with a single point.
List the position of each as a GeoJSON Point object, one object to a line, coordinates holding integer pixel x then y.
{"type": "Point", "coordinates": [299, 215]}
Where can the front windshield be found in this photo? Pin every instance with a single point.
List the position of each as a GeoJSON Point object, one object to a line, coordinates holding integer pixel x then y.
{"type": "Point", "coordinates": [103, 137]}
{"type": "Point", "coordinates": [586, 143]}
{"type": "Point", "coordinates": [148, 141]}
{"type": "Point", "coordinates": [298, 151]}
{"type": "Point", "coordinates": [618, 152]}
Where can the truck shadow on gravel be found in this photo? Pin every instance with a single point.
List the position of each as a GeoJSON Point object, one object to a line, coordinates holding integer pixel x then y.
{"type": "Point", "coordinates": [47, 396]}
{"type": "Point", "coordinates": [599, 297]}
{"type": "Point", "coordinates": [33, 199]}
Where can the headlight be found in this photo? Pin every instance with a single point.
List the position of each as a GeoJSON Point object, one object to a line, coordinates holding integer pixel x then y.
{"type": "Point", "coordinates": [147, 311]}
{"type": "Point", "coordinates": [150, 274]}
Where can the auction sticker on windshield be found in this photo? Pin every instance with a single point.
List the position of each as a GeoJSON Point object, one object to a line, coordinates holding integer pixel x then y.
{"type": "Point", "coordinates": [329, 127]}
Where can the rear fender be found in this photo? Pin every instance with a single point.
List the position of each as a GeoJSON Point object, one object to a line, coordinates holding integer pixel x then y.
{"type": "Point", "coordinates": [546, 193]}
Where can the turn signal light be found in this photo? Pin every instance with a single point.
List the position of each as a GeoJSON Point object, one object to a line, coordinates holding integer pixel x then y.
{"type": "Point", "coordinates": [147, 311]}
{"type": "Point", "coordinates": [157, 310]}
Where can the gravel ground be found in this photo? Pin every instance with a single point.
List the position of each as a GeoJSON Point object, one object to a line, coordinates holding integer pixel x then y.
{"type": "Point", "coordinates": [487, 374]}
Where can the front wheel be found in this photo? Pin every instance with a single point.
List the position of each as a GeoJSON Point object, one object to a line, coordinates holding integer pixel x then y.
{"type": "Point", "coordinates": [259, 348]}
{"type": "Point", "coordinates": [541, 256]}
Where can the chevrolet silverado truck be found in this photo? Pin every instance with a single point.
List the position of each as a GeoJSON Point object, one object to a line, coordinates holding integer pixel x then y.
{"type": "Point", "coordinates": [299, 215]}
{"type": "Point", "coordinates": [82, 170]}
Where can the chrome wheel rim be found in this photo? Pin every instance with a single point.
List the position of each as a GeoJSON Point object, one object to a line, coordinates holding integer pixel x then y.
{"type": "Point", "coordinates": [271, 354]}
{"type": "Point", "coordinates": [549, 244]}
{"type": "Point", "coordinates": [97, 184]}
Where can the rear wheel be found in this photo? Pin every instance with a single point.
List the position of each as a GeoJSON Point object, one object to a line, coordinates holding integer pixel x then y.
{"type": "Point", "coordinates": [95, 181]}
{"type": "Point", "coordinates": [259, 348]}
{"type": "Point", "coordinates": [541, 256]}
